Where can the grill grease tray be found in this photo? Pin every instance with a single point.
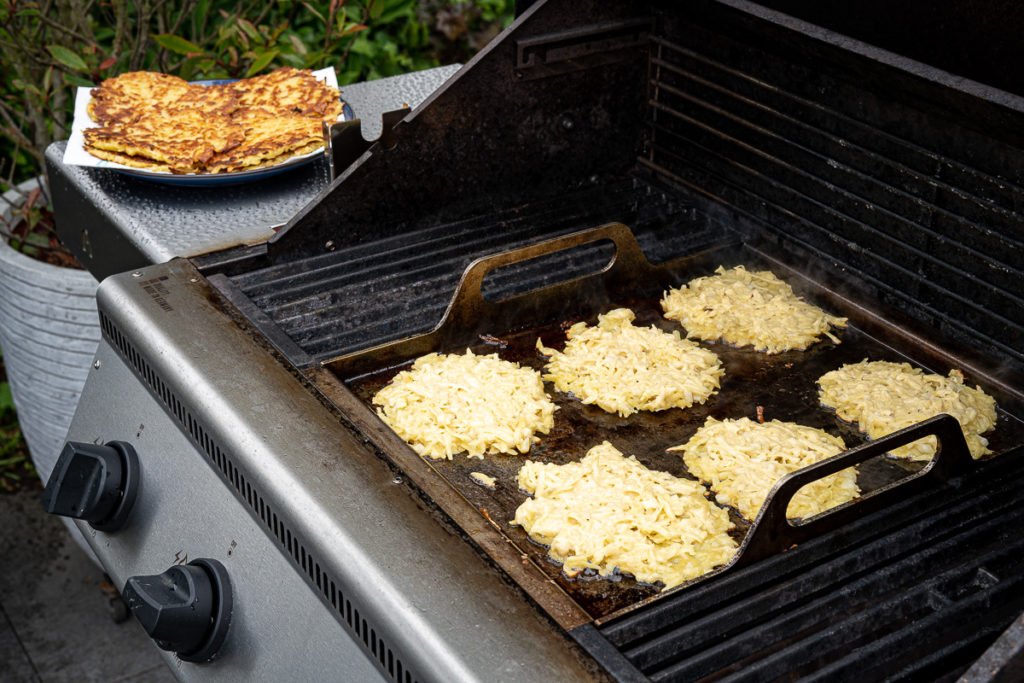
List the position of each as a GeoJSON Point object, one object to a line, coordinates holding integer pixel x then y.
{"type": "Point", "coordinates": [784, 384]}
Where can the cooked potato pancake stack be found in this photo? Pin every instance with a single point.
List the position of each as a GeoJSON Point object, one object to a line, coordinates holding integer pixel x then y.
{"type": "Point", "coordinates": [741, 460]}
{"type": "Point", "coordinates": [608, 512]}
{"type": "Point", "coordinates": [446, 404]}
{"type": "Point", "coordinates": [624, 369]}
{"type": "Point", "coordinates": [884, 397]}
{"type": "Point", "coordinates": [748, 309]}
{"type": "Point", "coordinates": [163, 123]}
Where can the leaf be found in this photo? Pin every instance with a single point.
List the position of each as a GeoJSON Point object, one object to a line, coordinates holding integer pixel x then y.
{"type": "Point", "coordinates": [314, 12]}
{"type": "Point", "coordinates": [202, 10]}
{"type": "Point", "coordinates": [261, 62]}
{"type": "Point", "coordinates": [66, 57]}
{"type": "Point", "coordinates": [107, 63]}
{"type": "Point", "coordinates": [390, 11]}
{"type": "Point", "coordinates": [241, 37]}
{"type": "Point", "coordinates": [72, 79]}
{"type": "Point", "coordinates": [354, 28]}
{"type": "Point", "coordinates": [177, 44]}
{"type": "Point", "coordinates": [6, 398]}
{"type": "Point", "coordinates": [277, 32]}
{"type": "Point", "coordinates": [249, 29]}
{"type": "Point", "coordinates": [361, 46]}
{"type": "Point", "coordinates": [37, 240]}
{"type": "Point", "coordinates": [297, 44]}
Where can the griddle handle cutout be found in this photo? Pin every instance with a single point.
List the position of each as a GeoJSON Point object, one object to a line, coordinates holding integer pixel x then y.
{"type": "Point", "coordinates": [469, 306]}
{"type": "Point", "coordinates": [469, 314]}
{"type": "Point", "coordinates": [772, 533]}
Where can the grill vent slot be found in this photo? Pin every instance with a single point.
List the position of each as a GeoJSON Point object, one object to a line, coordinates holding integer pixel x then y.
{"type": "Point", "coordinates": [310, 567]}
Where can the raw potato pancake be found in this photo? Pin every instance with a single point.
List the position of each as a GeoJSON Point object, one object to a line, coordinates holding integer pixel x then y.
{"type": "Point", "coordinates": [741, 460]}
{"type": "Point", "coordinates": [624, 369]}
{"type": "Point", "coordinates": [160, 122]}
{"type": "Point", "coordinates": [446, 404]}
{"type": "Point", "coordinates": [884, 397]}
{"type": "Point", "coordinates": [746, 308]}
{"type": "Point", "coordinates": [609, 513]}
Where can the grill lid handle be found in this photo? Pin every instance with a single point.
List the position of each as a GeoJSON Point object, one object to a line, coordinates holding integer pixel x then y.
{"type": "Point", "coordinates": [772, 533]}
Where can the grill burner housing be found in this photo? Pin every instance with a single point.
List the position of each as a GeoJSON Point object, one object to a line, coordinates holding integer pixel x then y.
{"type": "Point", "coordinates": [893, 186]}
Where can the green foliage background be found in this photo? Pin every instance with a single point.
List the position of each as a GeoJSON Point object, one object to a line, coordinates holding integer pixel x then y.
{"type": "Point", "coordinates": [51, 46]}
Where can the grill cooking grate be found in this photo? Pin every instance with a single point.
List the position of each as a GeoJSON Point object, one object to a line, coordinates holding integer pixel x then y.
{"type": "Point", "coordinates": [358, 297]}
{"type": "Point", "coordinates": [882, 174]}
{"type": "Point", "coordinates": [870, 603]}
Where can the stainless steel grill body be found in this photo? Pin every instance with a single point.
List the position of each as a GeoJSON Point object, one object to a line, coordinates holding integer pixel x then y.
{"type": "Point", "coordinates": [187, 387]}
{"type": "Point", "coordinates": [895, 188]}
{"type": "Point", "coordinates": [279, 630]}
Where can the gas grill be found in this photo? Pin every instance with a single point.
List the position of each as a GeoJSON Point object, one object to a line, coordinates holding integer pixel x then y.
{"type": "Point", "coordinates": [593, 156]}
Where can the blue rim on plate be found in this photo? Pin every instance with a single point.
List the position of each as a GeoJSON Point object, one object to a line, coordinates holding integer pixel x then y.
{"type": "Point", "coordinates": [214, 179]}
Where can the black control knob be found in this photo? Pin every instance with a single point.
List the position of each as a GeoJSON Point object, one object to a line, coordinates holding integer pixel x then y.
{"type": "Point", "coordinates": [98, 484]}
{"type": "Point", "coordinates": [186, 610]}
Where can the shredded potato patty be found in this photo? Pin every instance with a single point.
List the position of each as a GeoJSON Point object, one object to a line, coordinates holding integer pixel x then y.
{"type": "Point", "coordinates": [624, 369]}
{"type": "Point", "coordinates": [446, 404]}
{"type": "Point", "coordinates": [883, 397]}
{"type": "Point", "coordinates": [608, 512]}
{"type": "Point", "coordinates": [742, 460]}
{"type": "Point", "coordinates": [748, 309]}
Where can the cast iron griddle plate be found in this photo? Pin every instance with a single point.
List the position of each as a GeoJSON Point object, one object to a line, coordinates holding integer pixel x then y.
{"type": "Point", "coordinates": [784, 384]}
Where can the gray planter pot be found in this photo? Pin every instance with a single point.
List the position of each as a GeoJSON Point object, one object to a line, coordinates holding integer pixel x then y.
{"type": "Point", "coordinates": [49, 330]}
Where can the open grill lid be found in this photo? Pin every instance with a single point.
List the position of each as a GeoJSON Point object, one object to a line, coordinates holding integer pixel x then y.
{"type": "Point", "coordinates": [769, 125]}
{"type": "Point", "coordinates": [557, 102]}
{"type": "Point", "coordinates": [516, 124]}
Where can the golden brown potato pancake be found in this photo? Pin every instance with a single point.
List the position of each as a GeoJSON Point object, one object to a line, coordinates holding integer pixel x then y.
{"type": "Point", "coordinates": [155, 121]}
